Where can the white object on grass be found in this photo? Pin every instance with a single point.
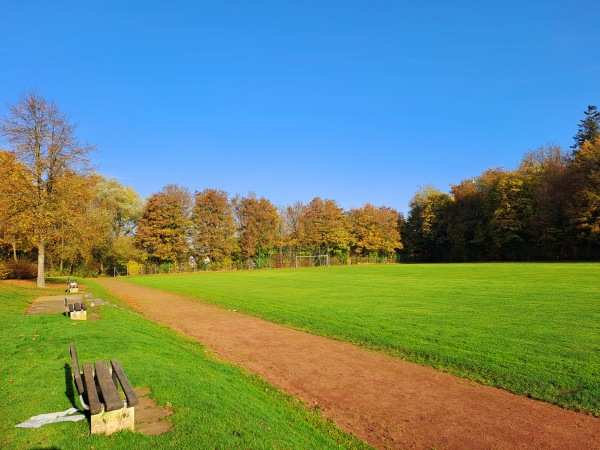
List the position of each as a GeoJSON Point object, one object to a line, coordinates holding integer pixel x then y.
{"type": "Point", "coordinates": [43, 419]}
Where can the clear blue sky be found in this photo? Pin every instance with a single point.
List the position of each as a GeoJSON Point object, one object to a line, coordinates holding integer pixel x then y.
{"type": "Point", "coordinates": [356, 101]}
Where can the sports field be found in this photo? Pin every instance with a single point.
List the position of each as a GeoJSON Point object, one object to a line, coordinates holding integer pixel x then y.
{"type": "Point", "coordinates": [529, 328]}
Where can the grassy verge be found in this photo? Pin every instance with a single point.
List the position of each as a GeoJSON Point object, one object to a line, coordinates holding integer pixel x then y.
{"type": "Point", "coordinates": [215, 405]}
{"type": "Point", "coordinates": [533, 329]}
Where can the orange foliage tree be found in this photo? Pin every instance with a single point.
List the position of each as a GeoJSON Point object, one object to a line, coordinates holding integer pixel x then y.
{"type": "Point", "coordinates": [257, 225]}
{"type": "Point", "coordinates": [213, 226]}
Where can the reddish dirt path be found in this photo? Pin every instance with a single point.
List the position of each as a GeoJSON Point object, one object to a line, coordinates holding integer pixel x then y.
{"type": "Point", "coordinates": [388, 402]}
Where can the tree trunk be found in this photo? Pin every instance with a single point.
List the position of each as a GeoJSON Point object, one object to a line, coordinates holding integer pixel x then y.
{"type": "Point", "coordinates": [14, 247]}
{"type": "Point", "coordinates": [62, 248]}
{"type": "Point", "coordinates": [41, 281]}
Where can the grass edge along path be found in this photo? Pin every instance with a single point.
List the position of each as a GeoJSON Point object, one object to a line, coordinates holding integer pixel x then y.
{"type": "Point", "coordinates": [529, 328]}
{"type": "Point", "coordinates": [215, 404]}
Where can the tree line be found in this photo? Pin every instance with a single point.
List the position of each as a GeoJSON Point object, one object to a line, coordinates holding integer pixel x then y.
{"type": "Point", "coordinates": [209, 227]}
{"type": "Point", "coordinates": [55, 209]}
{"type": "Point", "coordinates": [546, 209]}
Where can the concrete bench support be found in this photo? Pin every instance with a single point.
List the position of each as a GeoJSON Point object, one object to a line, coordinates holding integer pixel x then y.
{"type": "Point", "coordinates": [109, 422]}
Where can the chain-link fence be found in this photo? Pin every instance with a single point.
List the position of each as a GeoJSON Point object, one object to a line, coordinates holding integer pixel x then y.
{"type": "Point", "coordinates": [283, 260]}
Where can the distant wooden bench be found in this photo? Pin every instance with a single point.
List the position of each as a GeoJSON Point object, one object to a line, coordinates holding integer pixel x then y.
{"type": "Point", "coordinates": [109, 411]}
{"type": "Point", "coordinates": [72, 286]}
{"type": "Point", "coordinates": [76, 311]}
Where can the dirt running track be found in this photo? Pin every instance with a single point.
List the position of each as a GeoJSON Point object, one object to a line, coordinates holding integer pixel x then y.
{"type": "Point", "coordinates": [388, 402]}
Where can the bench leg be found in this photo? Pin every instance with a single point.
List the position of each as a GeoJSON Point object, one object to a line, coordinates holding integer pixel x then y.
{"type": "Point", "coordinates": [83, 404]}
{"type": "Point", "coordinates": [112, 421]}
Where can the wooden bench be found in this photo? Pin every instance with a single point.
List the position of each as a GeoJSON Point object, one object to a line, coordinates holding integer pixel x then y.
{"type": "Point", "coordinates": [109, 411]}
{"type": "Point", "coordinates": [72, 286]}
{"type": "Point", "coordinates": [76, 311]}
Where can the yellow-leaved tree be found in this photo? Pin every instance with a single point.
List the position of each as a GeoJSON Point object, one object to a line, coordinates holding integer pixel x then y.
{"type": "Point", "coordinates": [14, 223]}
{"type": "Point", "coordinates": [43, 140]}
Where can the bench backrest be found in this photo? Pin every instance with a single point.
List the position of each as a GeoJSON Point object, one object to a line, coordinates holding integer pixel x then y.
{"type": "Point", "coordinates": [76, 371]}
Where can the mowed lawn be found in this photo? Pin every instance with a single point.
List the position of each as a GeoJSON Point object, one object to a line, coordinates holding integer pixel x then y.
{"type": "Point", "coordinates": [214, 404]}
{"type": "Point", "coordinates": [531, 328]}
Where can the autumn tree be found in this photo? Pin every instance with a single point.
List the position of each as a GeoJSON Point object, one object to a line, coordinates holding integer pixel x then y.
{"type": "Point", "coordinates": [466, 223]}
{"type": "Point", "coordinates": [96, 225]}
{"type": "Point", "coordinates": [324, 227]}
{"type": "Point", "coordinates": [14, 223]}
{"type": "Point", "coordinates": [291, 218]}
{"type": "Point", "coordinates": [425, 237]}
{"type": "Point", "coordinates": [511, 200]}
{"type": "Point", "coordinates": [375, 230]}
{"type": "Point", "coordinates": [121, 208]}
{"type": "Point", "coordinates": [213, 225]}
{"type": "Point", "coordinates": [163, 229]}
{"type": "Point", "coordinates": [547, 171]}
{"type": "Point", "coordinates": [585, 208]}
{"type": "Point", "coordinates": [123, 203]}
{"type": "Point", "coordinates": [78, 230]}
{"type": "Point", "coordinates": [43, 139]}
{"type": "Point", "coordinates": [257, 225]}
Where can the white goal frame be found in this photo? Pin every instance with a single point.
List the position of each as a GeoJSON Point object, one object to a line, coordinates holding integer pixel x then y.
{"type": "Point", "coordinates": [116, 272]}
{"type": "Point", "coordinates": [316, 260]}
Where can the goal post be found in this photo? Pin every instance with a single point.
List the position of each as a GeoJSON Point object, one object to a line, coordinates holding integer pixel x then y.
{"type": "Point", "coordinates": [119, 271]}
{"type": "Point", "coordinates": [312, 260]}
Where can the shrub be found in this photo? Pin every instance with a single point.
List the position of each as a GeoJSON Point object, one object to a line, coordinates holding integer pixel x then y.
{"type": "Point", "coordinates": [4, 271]}
{"type": "Point", "coordinates": [18, 270]}
{"type": "Point", "coordinates": [134, 268]}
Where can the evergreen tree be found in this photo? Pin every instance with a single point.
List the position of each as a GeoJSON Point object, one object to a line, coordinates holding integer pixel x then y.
{"type": "Point", "coordinates": [589, 128]}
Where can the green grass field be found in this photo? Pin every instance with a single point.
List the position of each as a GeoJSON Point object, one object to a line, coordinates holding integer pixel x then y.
{"type": "Point", "coordinates": [533, 329]}
{"type": "Point", "coordinates": [216, 405]}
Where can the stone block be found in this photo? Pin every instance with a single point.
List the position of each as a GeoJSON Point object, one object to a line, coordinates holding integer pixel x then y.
{"type": "Point", "coordinates": [78, 315]}
{"type": "Point", "coordinates": [109, 422]}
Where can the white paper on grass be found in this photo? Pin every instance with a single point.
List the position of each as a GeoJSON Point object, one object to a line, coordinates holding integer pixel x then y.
{"type": "Point", "coordinates": [44, 419]}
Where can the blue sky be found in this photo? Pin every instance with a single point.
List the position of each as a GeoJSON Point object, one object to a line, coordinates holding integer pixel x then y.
{"type": "Point", "coordinates": [356, 101]}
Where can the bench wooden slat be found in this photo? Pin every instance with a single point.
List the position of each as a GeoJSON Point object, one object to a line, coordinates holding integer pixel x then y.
{"type": "Point", "coordinates": [110, 394]}
{"type": "Point", "coordinates": [76, 371]}
{"type": "Point", "coordinates": [90, 388]}
{"type": "Point", "coordinates": [132, 398]}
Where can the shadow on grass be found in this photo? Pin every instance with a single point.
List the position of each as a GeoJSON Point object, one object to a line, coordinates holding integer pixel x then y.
{"type": "Point", "coordinates": [69, 391]}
